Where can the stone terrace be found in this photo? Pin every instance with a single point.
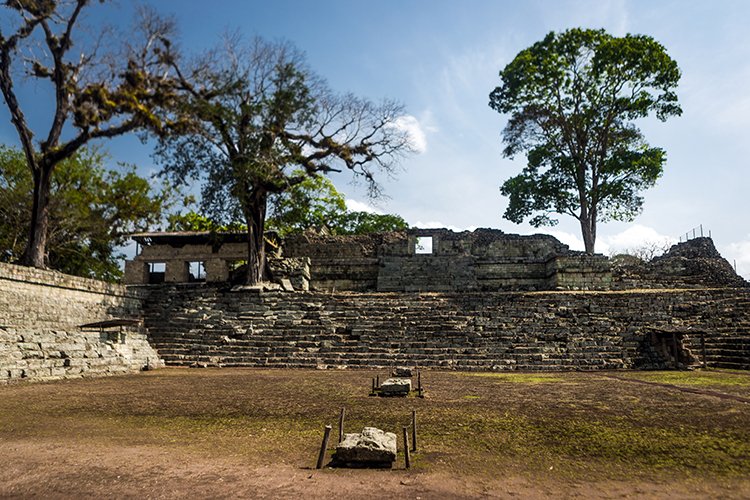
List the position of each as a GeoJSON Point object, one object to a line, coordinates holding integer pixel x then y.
{"type": "Point", "coordinates": [211, 326]}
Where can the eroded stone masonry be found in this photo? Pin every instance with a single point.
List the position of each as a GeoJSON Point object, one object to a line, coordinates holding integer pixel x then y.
{"type": "Point", "coordinates": [481, 300]}
{"type": "Point", "coordinates": [426, 260]}
{"type": "Point", "coordinates": [56, 326]}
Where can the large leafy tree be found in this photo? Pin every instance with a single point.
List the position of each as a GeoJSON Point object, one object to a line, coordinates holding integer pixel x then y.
{"type": "Point", "coordinates": [572, 99]}
{"type": "Point", "coordinates": [267, 123]}
{"type": "Point", "coordinates": [91, 211]}
{"type": "Point", "coordinates": [98, 91]}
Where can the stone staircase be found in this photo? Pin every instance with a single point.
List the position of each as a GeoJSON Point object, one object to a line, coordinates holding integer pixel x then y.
{"type": "Point", "coordinates": [728, 346]}
{"type": "Point", "coordinates": [207, 326]}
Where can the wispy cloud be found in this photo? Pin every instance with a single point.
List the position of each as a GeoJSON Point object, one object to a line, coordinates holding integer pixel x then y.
{"type": "Point", "coordinates": [635, 237]}
{"type": "Point", "coordinates": [359, 206]}
{"type": "Point", "coordinates": [738, 254]}
{"type": "Point", "coordinates": [414, 130]}
{"type": "Point", "coordinates": [440, 225]}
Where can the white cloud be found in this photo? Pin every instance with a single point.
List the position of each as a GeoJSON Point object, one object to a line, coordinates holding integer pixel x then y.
{"type": "Point", "coordinates": [441, 225]}
{"type": "Point", "coordinates": [573, 241]}
{"type": "Point", "coordinates": [738, 254]}
{"type": "Point", "coordinates": [415, 131]}
{"type": "Point", "coordinates": [358, 206]}
{"type": "Point", "coordinates": [635, 237]}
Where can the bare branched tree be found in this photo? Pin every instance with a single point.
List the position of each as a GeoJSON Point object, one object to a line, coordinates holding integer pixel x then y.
{"type": "Point", "coordinates": [98, 93]}
{"type": "Point", "coordinates": [267, 123]}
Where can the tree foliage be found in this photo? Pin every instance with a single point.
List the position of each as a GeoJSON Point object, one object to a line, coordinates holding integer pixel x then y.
{"type": "Point", "coordinates": [572, 100]}
{"type": "Point", "coordinates": [91, 211]}
{"type": "Point", "coordinates": [358, 222]}
{"type": "Point", "coordinates": [268, 123]}
{"type": "Point", "coordinates": [98, 93]}
{"type": "Point", "coordinates": [314, 203]}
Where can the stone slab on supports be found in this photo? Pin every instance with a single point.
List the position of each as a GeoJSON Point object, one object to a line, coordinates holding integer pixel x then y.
{"type": "Point", "coordinates": [370, 448]}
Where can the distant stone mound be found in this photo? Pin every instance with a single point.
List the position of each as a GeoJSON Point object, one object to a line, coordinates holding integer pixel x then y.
{"type": "Point", "coordinates": [698, 248]}
{"type": "Point", "coordinates": [690, 264]}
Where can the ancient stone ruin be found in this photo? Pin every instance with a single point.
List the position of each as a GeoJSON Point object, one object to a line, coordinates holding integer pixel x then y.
{"type": "Point", "coordinates": [370, 448]}
{"type": "Point", "coordinates": [395, 387]}
{"type": "Point", "coordinates": [417, 260]}
{"type": "Point", "coordinates": [481, 300]}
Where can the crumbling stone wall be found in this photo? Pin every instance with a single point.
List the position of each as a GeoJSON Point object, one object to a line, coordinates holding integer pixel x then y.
{"type": "Point", "coordinates": [467, 331]}
{"type": "Point", "coordinates": [690, 264]}
{"type": "Point", "coordinates": [40, 335]}
{"type": "Point", "coordinates": [340, 262]}
{"type": "Point", "coordinates": [480, 260]}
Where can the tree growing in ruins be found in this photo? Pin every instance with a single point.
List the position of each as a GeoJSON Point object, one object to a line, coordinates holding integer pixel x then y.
{"type": "Point", "coordinates": [268, 123]}
{"type": "Point", "coordinates": [98, 93]}
{"type": "Point", "coordinates": [572, 100]}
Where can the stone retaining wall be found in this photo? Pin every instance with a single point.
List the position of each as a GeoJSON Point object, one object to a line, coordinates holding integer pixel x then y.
{"type": "Point", "coordinates": [40, 336]}
{"type": "Point", "coordinates": [468, 331]}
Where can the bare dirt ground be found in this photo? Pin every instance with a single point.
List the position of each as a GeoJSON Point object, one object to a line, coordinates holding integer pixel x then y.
{"type": "Point", "coordinates": [227, 433]}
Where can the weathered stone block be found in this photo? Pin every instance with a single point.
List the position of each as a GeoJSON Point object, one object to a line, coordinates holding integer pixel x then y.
{"type": "Point", "coordinates": [395, 387]}
{"type": "Point", "coordinates": [370, 448]}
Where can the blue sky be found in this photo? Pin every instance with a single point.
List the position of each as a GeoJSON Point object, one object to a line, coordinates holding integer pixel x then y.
{"type": "Point", "coordinates": [441, 60]}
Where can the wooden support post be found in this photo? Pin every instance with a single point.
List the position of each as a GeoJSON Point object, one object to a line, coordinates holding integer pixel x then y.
{"type": "Point", "coordinates": [324, 447]}
{"type": "Point", "coordinates": [419, 383]}
{"type": "Point", "coordinates": [414, 430]}
{"type": "Point", "coordinates": [372, 392]}
{"type": "Point", "coordinates": [341, 425]}
{"type": "Point", "coordinates": [703, 348]}
{"type": "Point", "coordinates": [377, 382]}
{"type": "Point", "coordinates": [406, 447]}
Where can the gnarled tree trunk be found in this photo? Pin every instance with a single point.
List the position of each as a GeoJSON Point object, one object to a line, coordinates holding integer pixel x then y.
{"type": "Point", "coordinates": [35, 252]}
{"type": "Point", "coordinates": [255, 216]}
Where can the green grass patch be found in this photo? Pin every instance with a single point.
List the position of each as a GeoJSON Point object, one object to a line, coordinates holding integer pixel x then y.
{"type": "Point", "coordinates": [517, 378]}
{"type": "Point", "coordinates": [694, 378]}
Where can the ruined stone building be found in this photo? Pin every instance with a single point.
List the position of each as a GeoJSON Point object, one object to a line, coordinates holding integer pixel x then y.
{"type": "Point", "coordinates": [426, 260]}
{"type": "Point", "coordinates": [481, 300]}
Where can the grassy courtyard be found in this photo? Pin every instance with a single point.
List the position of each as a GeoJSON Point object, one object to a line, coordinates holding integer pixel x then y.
{"type": "Point", "coordinates": [249, 432]}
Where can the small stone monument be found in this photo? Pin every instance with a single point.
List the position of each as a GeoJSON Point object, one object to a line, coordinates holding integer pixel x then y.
{"type": "Point", "coordinates": [371, 448]}
{"type": "Point", "coordinates": [396, 387]}
{"type": "Point", "coordinates": [402, 371]}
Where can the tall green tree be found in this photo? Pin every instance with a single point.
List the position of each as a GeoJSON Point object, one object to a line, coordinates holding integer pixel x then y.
{"type": "Point", "coordinates": [91, 211]}
{"type": "Point", "coordinates": [572, 100]}
{"type": "Point", "coordinates": [267, 123]}
{"type": "Point", "coordinates": [97, 93]}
